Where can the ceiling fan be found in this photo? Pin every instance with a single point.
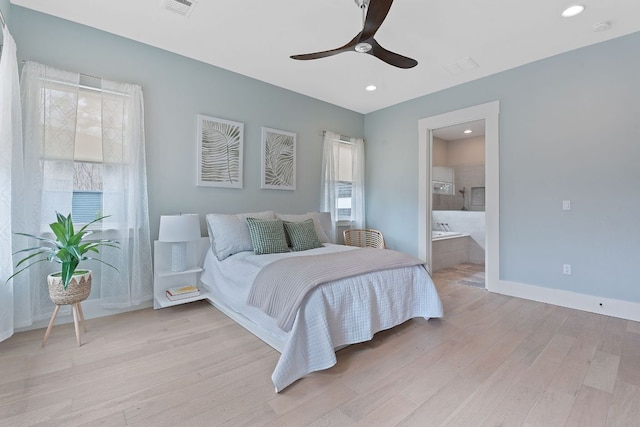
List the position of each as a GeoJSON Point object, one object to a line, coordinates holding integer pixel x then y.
{"type": "Point", "coordinates": [373, 14]}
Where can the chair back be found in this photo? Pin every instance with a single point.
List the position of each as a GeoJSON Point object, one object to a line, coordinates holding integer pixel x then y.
{"type": "Point", "coordinates": [364, 238]}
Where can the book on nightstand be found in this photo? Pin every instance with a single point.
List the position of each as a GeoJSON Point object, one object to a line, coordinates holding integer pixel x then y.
{"type": "Point", "coordinates": [182, 292]}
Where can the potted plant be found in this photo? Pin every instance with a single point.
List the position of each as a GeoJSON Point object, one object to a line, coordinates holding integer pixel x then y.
{"type": "Point", "coordinates": [69, 248]}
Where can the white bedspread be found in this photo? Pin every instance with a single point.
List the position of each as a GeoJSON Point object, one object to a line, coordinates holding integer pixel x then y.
{"type": "Point", "coordinates": [335, 314]}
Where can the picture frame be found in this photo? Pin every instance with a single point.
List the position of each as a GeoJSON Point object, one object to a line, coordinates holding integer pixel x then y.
{"type": "Point", "coordinates": [220, 152]}
{"type": "Point", "coordinates": [278, 166]}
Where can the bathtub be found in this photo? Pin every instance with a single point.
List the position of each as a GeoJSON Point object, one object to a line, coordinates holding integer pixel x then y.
{"type": "Point", "coordinates": [449, 248]}
{"type": "Point", "coordinates": [441, 235]}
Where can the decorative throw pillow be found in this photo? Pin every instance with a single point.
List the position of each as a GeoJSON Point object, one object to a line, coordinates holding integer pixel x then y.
{"type": "Point", "coordinates": [229, 233]}
{"type": "Point", "coordinates": [322, 236]}
{"type": "Point", "coordinates": [267, 236]}
{"type": "Point", "coordinates": [302, 235]}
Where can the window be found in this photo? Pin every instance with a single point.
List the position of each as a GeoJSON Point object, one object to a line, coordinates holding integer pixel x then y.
{"type": "Point", "coordinates": [86, 206]}
{"type": "Point", "coordinates": [443, 180]}
{"type": "Point", "coordinates": [86, 199]}
{"type": "Point", "coordinates": [87, 156]}
{"type": "Point", "coordinates": [345, 190]}
{"type": "Point", "coordinates": [440, 187]}
{"type": "Point", "coordinates": [342, 180]}
{"type": "Point", "coordinates": [345, 182]}
{"type": "Point", "coordinates": [84, 152]}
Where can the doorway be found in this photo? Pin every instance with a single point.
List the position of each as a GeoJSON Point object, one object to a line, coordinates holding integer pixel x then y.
{"type": "Point", "coordinates": [488, 112]}
{"type": "Point", "coordinates": [458, 224]}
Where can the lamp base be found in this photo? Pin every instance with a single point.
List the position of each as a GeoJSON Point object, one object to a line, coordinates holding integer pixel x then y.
{"type": "Point", "coordinates": [179, 256]}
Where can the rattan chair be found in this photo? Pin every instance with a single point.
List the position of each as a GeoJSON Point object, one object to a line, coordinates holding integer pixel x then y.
{"type": "Point", "coordinates": [363, 237]}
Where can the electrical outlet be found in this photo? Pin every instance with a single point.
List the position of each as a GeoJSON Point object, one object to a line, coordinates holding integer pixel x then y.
{"type": "Point", "coordinates": [566, 205]}
{"type": "Point", "coordinates": [566, 268]}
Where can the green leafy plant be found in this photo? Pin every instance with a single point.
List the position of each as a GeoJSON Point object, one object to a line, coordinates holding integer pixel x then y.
{"type": "Point", "coordinates": [68, 249]}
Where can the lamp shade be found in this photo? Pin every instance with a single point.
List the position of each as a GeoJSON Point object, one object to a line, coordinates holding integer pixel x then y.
{"type": "Point", "coordinates": [179, 228]}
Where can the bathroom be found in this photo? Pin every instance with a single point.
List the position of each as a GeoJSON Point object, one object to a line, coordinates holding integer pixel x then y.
{"type": "Point", "coordinates": [458, 199]}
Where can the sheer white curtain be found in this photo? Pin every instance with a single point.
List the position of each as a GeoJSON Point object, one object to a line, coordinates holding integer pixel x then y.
{"type": "Point", "coordinates": [10, 174]}
{"type": "Point", "coordinates": [357, 194]}
{"type": "Point", "coordinates": [331, 176]}
{"type": "Point", "coordinates": [49, 115]}
{"type": "Point", "coordinates": [50, 99]}
{"type": "Point", "coordinates": [125, 197]}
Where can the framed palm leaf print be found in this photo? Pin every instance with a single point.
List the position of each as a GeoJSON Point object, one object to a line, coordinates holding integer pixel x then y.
{"type": "Point", "coordinates": [278, 159]}
{"type": "Point", "coordinates": [220, 144]}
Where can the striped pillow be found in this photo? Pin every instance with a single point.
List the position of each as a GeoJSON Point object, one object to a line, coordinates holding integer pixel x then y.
{"type": "Point", "coordinates": [302, 235]}
{"type": "Point", "coordinates": [267, 236]}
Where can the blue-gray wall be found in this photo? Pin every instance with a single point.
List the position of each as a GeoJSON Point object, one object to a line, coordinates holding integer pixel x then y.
{"type": "Point", "coordinates": [569, 129]}
{"type": "Point", "coordinates": [176, 89]}
{"type": "Point", "coordinates": [6, 10]}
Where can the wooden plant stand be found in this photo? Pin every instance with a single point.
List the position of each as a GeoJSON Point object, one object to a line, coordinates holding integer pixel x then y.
{"type": "Point", "coordinates": [76, 308]}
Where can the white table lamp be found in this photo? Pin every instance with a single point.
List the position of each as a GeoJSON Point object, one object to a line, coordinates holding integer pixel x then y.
{"type": "Point", "coordinates": [178, 230]}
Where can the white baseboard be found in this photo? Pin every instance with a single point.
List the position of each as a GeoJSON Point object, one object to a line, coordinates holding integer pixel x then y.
{"type": "Point", "coordinates": [609, 307]}
{"type": "Point", "coordinates": [92, 309]}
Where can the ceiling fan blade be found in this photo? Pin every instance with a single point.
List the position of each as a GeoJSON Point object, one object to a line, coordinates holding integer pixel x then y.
{"type": "Point", "coordinates": [389, 57]}
{"type": "Point", "coordinates": [376, 13]}
{"type": "Point", "coordinates": [316, 55]}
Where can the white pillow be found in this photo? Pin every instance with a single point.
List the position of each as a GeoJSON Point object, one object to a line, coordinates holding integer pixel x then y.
{"type": "Point", "coordinates": [322, 236]}
{"type": "Point", "coordinates": [229, 234]}
{"type": "Point", "coordinates": [324, 218]}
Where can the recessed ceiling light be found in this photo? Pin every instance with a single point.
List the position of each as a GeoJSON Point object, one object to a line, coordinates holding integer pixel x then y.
{"type": "Point", "coordinates": [468, 131]}
{"type": "Point", "coordinates": [371, 88]}
{"type": "Point", "coordinates": [572, 11]}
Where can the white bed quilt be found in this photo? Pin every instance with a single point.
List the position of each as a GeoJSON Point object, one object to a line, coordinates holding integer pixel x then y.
{"type": "Point", "coordinates": [333, 315]}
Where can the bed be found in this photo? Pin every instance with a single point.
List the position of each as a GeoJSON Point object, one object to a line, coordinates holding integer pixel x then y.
{"type": "Point", "coordinates": [332, 315]}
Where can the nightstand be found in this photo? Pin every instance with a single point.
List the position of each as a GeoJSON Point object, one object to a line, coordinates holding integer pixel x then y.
{"type": "Point", "coordinates": [164, 278]}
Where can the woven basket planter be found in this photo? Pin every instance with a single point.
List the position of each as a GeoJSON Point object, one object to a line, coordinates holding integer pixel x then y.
{"type": "Point", "coordinates": [78, 290]}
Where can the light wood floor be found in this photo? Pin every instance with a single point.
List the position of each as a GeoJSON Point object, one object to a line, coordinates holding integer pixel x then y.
{"type": "Point", "coordinates": [491, 361]}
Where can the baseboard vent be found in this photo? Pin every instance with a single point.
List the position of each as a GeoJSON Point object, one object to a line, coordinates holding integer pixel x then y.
{"type": "Point", "coordinates": [182, 7]}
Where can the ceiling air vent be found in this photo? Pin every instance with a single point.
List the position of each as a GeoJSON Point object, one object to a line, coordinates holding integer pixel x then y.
{"type": "Point", "coordinates": [182, 7]}
{"type": "Point", "coordinates": [461, 66]}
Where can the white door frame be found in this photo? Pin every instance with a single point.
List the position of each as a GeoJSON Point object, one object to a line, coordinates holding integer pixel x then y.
{"type": "Point", "coordinates": [490, 113]}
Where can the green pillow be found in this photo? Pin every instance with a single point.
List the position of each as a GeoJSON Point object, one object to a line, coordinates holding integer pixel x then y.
{"type": "Point", "coordinates": [267, 236]}
{"type": "Point", "coordinates": [302, 235]}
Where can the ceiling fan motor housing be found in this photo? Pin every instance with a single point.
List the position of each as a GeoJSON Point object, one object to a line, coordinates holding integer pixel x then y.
{"type": "Point", "coordinates": [363, 47]}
